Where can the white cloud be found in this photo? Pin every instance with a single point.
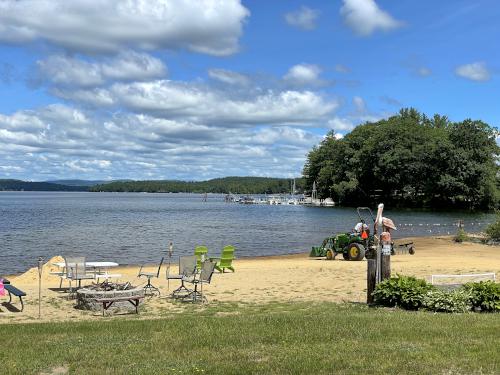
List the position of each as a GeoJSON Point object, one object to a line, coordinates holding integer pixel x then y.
{"type": "Point", "coordinates": [304, 75]}
{"type": "Point", "coordinates": [229, 77]}
{"type": "Point", "coordinates": [341, 124]}
{"type": "Point", "coordinates": [10, 168]}
{"type": "Point", "coordinates": [361, 114]}
{"type": "Point", "coordinates": [68, 143]}
{"type": "Point", "coordinates": [171, 99]}
{"type": "Point", "coordinates": [358, 116]}
{"type": "Point", "coordinates": [477, 71]}
{"type": "Point", "coordinates": [69, 71]}
{"type": "Point", "coordinates": [86, 165]}
{"type": "Point", "coordinates": [206, 26]}
{"type": "Point", "coordinates": [359, 104]}
{"type": "Point", "coordinates": [365, 17]}
{"type": "Point", "coordinates": [126, 66]}
{"type": "Point", "coordinates": [94, 97]}
{"type": "Point", "coordinates": [304, 18]}
{"type": "Point", "coordinates": [129, 66]}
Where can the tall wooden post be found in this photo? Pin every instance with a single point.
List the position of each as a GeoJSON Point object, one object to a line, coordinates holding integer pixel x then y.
{"type": "Point", "coordinates": [40, 269]}
{"type": "Point", "coordinates": [170, 253]}
{"type": "Point", "coordinates": [385, 271]}
{"type": "Point", "coordinates": [371, 280]}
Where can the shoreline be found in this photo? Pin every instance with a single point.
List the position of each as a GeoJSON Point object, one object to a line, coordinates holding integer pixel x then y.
{"type": "Point", "coordinates": [259, 280]}
{"type": "Point", "coordinates": [252, 257]}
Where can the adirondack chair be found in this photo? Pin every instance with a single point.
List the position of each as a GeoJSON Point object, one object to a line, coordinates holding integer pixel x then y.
{"type": "Point", "coordinates": [225, 260]}
{"type": "Point", "coordinates": [199, 251]}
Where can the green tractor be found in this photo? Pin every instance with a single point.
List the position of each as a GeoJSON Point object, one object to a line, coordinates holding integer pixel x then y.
{"type": "Point", "coordinates": [358, 244]}
{"type": "Point", "coordinates": [352, 246]}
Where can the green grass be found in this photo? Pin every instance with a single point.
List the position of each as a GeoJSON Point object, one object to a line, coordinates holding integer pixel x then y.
{"type": "Point", "coordinates": [293, 338]}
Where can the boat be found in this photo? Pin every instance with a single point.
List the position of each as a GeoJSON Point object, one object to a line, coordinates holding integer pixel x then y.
{"type": "Point", "coordinates": [274, 200]}
{"type": "Point", "coordinates": [328, 202]}
{"type": "Point", "coordinates": [247, 200]}
{"type": "Point", "coordinates": [292, 200]}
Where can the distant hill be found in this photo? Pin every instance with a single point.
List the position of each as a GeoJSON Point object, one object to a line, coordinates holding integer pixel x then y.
{"type": "Point", "coordinates": [18, 185]}
{"type": "Point", "coordinates": [78, 182]}
{"type": "Point", "coordinates": [237, 185]}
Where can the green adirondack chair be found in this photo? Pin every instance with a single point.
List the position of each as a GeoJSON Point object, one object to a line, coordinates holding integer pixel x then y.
{"type": "Point", "coordinates": [199, 251]}
{"type": "Point", "coordinates": [225, 260]}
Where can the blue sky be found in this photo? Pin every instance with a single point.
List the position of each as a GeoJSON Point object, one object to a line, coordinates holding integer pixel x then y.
{"type": "Point", "coordinates": [200, 89]}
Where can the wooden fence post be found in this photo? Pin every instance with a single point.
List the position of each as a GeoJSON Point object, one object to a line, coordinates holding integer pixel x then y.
{"type": "Point", "coordinates": [385, 267]}
{"type": "Point", "coordinates": [371, 279]}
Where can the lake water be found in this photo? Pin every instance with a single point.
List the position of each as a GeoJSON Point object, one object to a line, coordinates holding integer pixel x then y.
{"type": "Point", "coordinates": [132, 228]}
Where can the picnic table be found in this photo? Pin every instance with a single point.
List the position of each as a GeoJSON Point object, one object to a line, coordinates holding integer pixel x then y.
{"type": "Point", "coordinates": [97, 265]}
{"type": "Point", "coordinates": [100, 269]}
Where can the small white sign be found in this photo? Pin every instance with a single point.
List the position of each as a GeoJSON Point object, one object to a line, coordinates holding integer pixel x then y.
{"type": "Point", "coordinates": [386, 250]}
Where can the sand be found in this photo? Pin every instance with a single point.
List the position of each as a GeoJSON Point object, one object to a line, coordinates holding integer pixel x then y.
{"type": "Point", "coordinates": [261, 280]}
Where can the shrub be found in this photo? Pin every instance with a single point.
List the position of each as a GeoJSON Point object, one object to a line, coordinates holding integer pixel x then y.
{"type": "Point", "coordinates": [484, 295]}
{"type": "Point", "coordinates": [461, 236]}
{"type": "Point", "coordinates": [456, 301]}
{"type": "Point", "coordinates": [493, 230]}
{"type": "Point", "coordinates": [407, 292]}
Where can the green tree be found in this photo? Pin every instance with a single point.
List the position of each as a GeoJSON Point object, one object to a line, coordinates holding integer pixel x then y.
{"type": "Point", "coordinates": [409, 160]}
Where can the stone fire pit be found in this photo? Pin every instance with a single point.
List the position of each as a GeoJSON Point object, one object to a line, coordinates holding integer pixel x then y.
{"type": "Point", "coordinates": [86, 297]}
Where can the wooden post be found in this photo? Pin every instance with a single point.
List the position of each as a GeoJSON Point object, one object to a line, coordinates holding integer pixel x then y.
{"type": "Point", "coordinates": [371, 279]}
{"type": "Point", "coordinates": [170, 253]}
{"type": "Point", "coordinates": [40, 269]}
{"type": "Point", "coordinates": [385, 270]}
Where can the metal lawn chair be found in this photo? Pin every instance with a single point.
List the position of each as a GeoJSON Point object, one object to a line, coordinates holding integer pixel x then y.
{"type": "Point", "coordinates": [204, 277]}
{"type": "Point", "coordinates": [187, 270]}
{"type": "Point", "coordinates": [149, 275]}
{"type": "Point", "coordinates": [76, 270]}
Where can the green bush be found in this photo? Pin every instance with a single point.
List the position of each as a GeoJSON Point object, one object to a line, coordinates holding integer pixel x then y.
{"type": "Point", "coordinates": [484, 295]}
{"type": "Point", "coordinates": [456, 301]}
{"type": "Point", "coordinates": [493, 230]}
{"type": "Point", "coordinates": [407, 292]}
{"type": "Point", "coordinates": [461, 236]}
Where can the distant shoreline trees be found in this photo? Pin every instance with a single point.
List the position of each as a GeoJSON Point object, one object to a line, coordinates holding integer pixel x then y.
{"type": "Point", "coordinates": [237, 185]}
{"type": "Point", "coordinates": [409, 160]}
{"type": "Point", "coordinates": [18, 185]}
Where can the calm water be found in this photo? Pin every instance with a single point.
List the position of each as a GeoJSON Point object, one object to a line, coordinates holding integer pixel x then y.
{"type": "Point", "coordinates": [132, 228]}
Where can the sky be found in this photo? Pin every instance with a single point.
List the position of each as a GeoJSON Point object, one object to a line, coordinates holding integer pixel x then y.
{"type": "Point", "coordinates": [199, 89]}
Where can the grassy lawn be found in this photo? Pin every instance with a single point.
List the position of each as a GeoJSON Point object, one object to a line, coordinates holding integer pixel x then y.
{"type": "Point", "coordinates": [293, 338]}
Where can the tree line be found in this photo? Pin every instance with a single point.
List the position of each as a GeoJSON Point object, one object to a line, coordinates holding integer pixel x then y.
{"type": "Point", "coordinates": [236, 185]}
{"type": "Point", "coordinates": [19, 185]}
{"type": "Point", "coordinates": [409, 160]}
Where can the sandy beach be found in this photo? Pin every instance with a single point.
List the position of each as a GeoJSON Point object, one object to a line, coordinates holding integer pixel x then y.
{"type": "Point", "coordinates": [259, 280]}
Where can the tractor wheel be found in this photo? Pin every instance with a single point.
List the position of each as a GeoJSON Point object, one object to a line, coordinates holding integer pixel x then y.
{"type": "Point", "coordinates": [411, 250]}
{"type": "Point", "coordinates": [329, 254]}
{"type": "Point", "coordinates": [346, 256]}
{"type": "Point", "coordinates": [355, 251]}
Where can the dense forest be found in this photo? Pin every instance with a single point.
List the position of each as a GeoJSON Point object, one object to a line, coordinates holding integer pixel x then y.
{"type": "Point", "coordinates": [409, 160]}
{"type": "Point", "coordinates": [238, 185]}
{"type": "Point", "coordinates": [18, 185]}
